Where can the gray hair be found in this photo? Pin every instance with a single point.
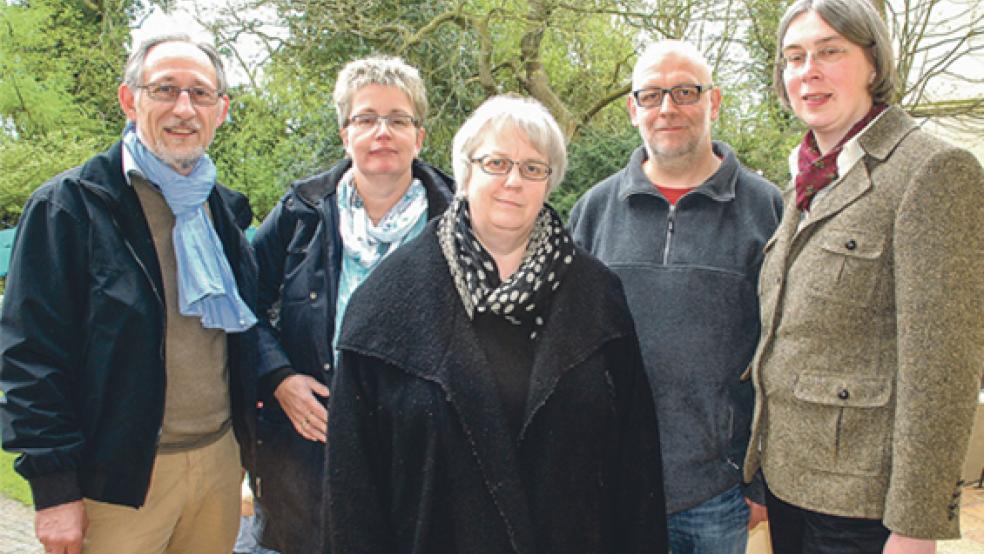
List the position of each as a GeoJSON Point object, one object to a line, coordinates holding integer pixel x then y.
{"type": "Point", "coordinates": [381, 70]}
{"type": "Point", "coordinates": [509, 112]}
{"type": "Point", "coordinates": [133, 72]}
{"type": "Point", "coordinates": [858, 22]}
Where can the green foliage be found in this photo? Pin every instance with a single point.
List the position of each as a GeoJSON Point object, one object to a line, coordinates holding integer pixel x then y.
{"type": "Point", "coordinates": [59, 62]}
{"type": "Point", "coordinates": [272, 138]}
{"type": "Point", "coordinates": [761, 134]}
{"type": "Point", "coordinates": [594, 154]}
{"type": "Point", "coordinates": [751, 119]}
{"type": "Point", "coordinates": [29, 163]}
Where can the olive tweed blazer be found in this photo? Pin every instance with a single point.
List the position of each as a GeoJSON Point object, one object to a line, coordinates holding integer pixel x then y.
{"type": "Point", "coordinates": [867, 371]}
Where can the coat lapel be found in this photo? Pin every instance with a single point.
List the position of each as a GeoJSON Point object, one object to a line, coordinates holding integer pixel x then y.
{"type": "Point", "coordinates": [842, 195]}
{"type": "Point", "coordinates": [877, 142]}
{"type": "Point", "coordinates": [563, 347]}
{"type": "Point", "coordinates": [473, 394]}
{"type": "Point", "coordinates": [447, 352]}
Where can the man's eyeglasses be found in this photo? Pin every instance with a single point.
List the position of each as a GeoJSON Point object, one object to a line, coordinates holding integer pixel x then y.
{"type": "Point", "coordinates": [682, 95]}
{"type": "Point", "coordinates": [397, 122]}
{"type": "Point", "coordinates": [528, 169]}
{"type": "Point", "coordinates": [199, 96]}
{"type": "Point", "coordinates": [796, 59]}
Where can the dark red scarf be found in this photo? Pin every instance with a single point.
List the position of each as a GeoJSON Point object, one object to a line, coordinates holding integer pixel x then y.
{"type": "Point", "coordinates": [816, 171]}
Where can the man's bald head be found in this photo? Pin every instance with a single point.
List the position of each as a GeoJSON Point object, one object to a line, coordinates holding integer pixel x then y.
{"type": "Point", "coordinates": [677, 52]}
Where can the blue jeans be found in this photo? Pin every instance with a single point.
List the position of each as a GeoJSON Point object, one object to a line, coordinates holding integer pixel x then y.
{"type": "Point", "coordinates": [250, 530]}
{"type": "Point", "coordinates": [716, 526]}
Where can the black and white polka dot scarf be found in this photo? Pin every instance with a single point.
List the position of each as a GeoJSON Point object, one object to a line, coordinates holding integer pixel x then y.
{"type": "Point", "coordinates": [524, 297]}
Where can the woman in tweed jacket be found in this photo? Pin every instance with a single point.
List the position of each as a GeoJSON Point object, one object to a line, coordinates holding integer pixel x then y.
{"type": "Point", "coordinates": [872, 295]}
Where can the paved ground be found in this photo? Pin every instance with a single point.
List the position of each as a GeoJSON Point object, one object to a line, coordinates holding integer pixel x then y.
{"type": "Point", "coordinates": [17, 528]}
{"type": "Point", "coordinates": [971, 523]}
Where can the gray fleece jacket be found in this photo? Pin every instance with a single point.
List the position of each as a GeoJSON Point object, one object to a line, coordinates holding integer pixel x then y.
{"type": "Point", "coordinates": [690, 273]}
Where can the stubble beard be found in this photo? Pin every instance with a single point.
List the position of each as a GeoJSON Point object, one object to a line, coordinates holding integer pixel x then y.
{"type": "Point", "coordinates": [682, 156]}
{"type": "Point", "coordinates": [182, 163]}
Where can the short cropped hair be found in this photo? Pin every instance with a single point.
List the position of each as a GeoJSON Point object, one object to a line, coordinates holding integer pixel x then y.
{"type": "Point", "coordinates": [133, 72]}
{"type": "Point", "coordinates": [504, 113]}
{"type": "Point", "coordinates": [379, 70]}
{"type": "Point", "coordinates": [859, 23]}
{"type": "Point", "coordinates": [656, 51]}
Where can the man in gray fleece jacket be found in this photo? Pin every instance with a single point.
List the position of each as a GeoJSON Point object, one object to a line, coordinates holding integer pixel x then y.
{"type": "Point", "coordinates": [684, 226]}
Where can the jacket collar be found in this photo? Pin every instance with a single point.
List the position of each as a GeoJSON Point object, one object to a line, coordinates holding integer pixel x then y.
{"type": "Point", "coordinates": [420, 307]}
{"type": "Point", "coordinates": [877, 142]}
{"type": "Point", "coordinates": [720, 187]}
{"type": "Point", "coordinates": [439, 186]}
{"type": "Point", "coordinates": [103, 174]}
{"type": "Point", "coordinates": [886, 133]}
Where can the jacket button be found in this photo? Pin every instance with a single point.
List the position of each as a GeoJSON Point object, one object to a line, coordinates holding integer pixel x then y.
{"type": "Point", "coordinates": [850, 244]}
{"type": "Point", "coordinates": [843, 394]}
{"type": "Point", "coordinates": [327, 366]}
{"type": "Point", "coordinates": [313, 295]}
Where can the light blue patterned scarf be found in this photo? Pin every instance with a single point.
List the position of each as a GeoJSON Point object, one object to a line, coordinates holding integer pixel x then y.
{"type": "Point", "coordinates": [206, 285]}
{"type": "Point", "coordinates": [365, 244]}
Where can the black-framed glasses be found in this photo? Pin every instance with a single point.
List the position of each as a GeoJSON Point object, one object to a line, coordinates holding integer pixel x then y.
{"type": "Point", "coordinates": [528, 169]}
{"type": "Point", "coordinates": [367, 121]}
{"type": "Point", "coordinates": [199, 95]}
{"type": "Point", "coordinates": [682, 95]}
{"type": "Point", "coordinates": [795, 59]}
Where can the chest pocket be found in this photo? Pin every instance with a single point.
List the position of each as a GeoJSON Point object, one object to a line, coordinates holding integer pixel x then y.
{"type": "Point", "coordinates": [301, 265]}
{"type": "Point", "coordinates": [845, 265]}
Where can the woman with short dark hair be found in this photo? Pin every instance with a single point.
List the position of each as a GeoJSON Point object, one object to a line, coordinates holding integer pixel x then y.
{"type": "Point", "coordinates": [871, 290]}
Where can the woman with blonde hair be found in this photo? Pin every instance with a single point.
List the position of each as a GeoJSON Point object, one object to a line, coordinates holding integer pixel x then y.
{"type": "Point", "coordinates": [314, 249]}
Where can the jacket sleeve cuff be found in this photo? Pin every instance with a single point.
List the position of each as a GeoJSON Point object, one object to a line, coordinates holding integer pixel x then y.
{"type": "Point", "coordinates": [272, 355]}
{"type": "Point", "coordinates": [54, 489]}
{"type": "Point", "coordinates": [755, 490]}
{"type": "Point", "coordinates": [272, 380]}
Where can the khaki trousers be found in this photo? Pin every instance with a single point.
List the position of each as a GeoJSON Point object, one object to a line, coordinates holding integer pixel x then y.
{"type": "Point", "coordinates": [192, 507]}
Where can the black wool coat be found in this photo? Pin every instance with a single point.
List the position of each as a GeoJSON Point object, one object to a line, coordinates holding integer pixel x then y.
{"type": "Point", "coordinates": [421, 459]}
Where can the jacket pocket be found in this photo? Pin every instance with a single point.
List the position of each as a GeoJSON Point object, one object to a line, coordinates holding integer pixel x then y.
{"type": "Point", "coordinates": [846, 265]}
{"type": "Point", "coordinates": [847, 421]}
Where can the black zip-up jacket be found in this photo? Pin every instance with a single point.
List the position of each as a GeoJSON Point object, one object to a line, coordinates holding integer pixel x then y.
{"type": "Point", "coordinates": [299, 251]}
{"type": "Point", "coordinates": [82, 337]}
